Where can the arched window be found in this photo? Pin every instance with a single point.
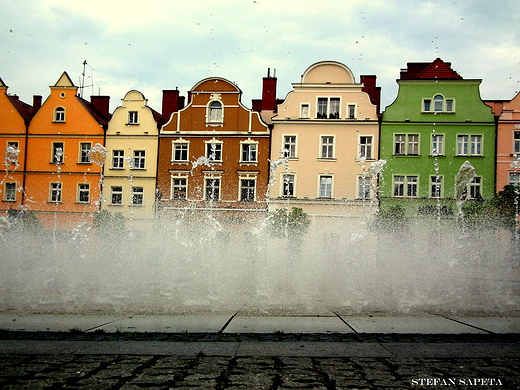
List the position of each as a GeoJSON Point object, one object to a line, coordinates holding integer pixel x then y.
{"type": "Point", "coordinates": [215, 112]}
{"type": "Point", "coordinates": [59, 114]}
{"type": "Point", "coordinates": [438, 101]}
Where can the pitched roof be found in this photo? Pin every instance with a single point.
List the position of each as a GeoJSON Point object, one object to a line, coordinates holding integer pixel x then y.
{"type": "Point", "coordinates": [436, 70]}
{"type": "Point", "coordinates": [98, 116]}
{"type": "Point", "coordinates": [24, 109]}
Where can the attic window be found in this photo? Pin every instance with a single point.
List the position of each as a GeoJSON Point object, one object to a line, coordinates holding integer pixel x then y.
{"type": "Point", "coordinates": [440, 104]}
{"type": "Point", "coordinates": [215, 112]}
{"type": "Point", "coordinates": [133, 117]}
{"type": "Point", "coordinates": [59, 114]}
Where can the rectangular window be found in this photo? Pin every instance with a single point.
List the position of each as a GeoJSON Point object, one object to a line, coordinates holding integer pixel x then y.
{"type": "Point", "coordinates": [516, 142]}
{"type": "Point", "coordinates": [118, 159]}
{"type": "Point", "coordinates": [180, 152]}
{"type": "Point", "coordinates": [212, 189]}
{"type": "Point", "coordinates": [139, 159]}
{"type": "Point", "coordinates": [84, 151]}
{"type": "Point", "coordinates": [179, 188]}
{"type": "Point", "coordinates": [475, 188]}
{"type": "Point", "coordinates": [288, 185]}
{"type": "Point", "coordinates": [247, 190]}
{"type": "Point", "coordinates": [363, 187]}
{"type": "Point", "coordinates": [325, 186]}
{"type": "Point", "coordinates": [10, 192]}
{"type": "Point", "coordinates": [514, 178]}
{"type": "Point", "coordinates": [137, 196]}
{"type": "Point", "coordinates": [327, 146]}
{"type": "Point", "coordinates": [11, 153]}
{"type": "Point", "coordinates": [59, 114]}
{"type": "Point", "coordinates": [469, 143]}
{"type": "Point", "coordinates": [55, 192]}
{"type": "Point", "coordinates": [57, 152]}
{"type": "Point", "coordinates": [351, 111]}
{"type": "Point", "coordinates": [435, 186]}
{"type": "Point", "coordinates": [116, 195]}
{"type": "Point", "coordinates": [214, 151]}
{"type": "Point", "coordinates": [427, 105]}
{"type": "Point", "coordinates": [365, 147]}
{"type": "Point", "coordinates": [83, 193]}
{"type": "Point", "coordinates": [304, 111]}
{"type": "Point", "coordinates": [133, 117]}
{"type": "Point", "coordinates": [449, 105]}
{"type": "Point", "coordinates": [249, 152]}
{"type": "Point", "coordinates": [411, 186]}
{"type": "Point", "coordinates": [399, 186]}
{"type": "Point", "coordinates": [437, 145]}
{"type": "Point", "coordinates": [406, 144]}
{"type": "Point", "coordinates": [328, 108]}
{"type": "Point", "coordinates": [289, 146]}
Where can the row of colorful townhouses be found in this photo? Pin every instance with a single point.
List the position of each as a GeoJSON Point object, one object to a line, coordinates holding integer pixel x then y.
{"type": "Point", "coordinates": [321, 149]}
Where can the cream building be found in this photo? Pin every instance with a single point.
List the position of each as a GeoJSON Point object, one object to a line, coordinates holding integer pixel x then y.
{"type": "Point", "coordinates": [328, 129]}
{"type": "Point", "coordinates": [131, 161]}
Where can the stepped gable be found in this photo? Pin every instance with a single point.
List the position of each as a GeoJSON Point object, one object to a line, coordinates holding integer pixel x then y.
{"type": "Point", "coordinates": [439, 69]}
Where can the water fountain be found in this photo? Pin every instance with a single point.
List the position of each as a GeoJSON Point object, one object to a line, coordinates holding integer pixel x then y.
{"type": "Point", "coordinates": [188, 268]}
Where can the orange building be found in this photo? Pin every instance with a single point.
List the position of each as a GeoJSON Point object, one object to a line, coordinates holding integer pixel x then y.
{"type": "Point", "coordinates": [62, 184]}
{"type": "Point", "coordinates": [15, 117]}
{"type": "Point", "coordinates": [214, 155]}
{"type": "Point", "coordinates": [508, 141]}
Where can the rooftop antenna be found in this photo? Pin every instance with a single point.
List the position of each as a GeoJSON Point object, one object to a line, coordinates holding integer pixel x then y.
{"type": "Point", "coordinates": [82, 85]}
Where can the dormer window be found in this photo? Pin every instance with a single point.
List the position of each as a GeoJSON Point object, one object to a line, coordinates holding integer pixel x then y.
{"type": "Point", "coordinates": [59, 114]}
{"type": "Point", "coordinates": [215, 112]}
{"type": "Point", "coordinates": [133, 117]}
{"type": "Point", "coordinates": [438, 104]}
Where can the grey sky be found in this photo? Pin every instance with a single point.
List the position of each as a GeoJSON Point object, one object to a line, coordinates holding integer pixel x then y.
{"type": "Point", "coordinates": [162, 44]}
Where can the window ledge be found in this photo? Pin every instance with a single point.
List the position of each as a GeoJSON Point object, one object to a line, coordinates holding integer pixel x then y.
{"type": "Point", "coordinates": [132, 124]}
{"type": "Point", "coordinates": [248, 162]}
{"type": "Point", "coordinates": [136, 205]}
{"type": "Point", "coordinates": [327, 159]}
{"type": "Point", "coordinates": [8, 201]}
{"type": "Point", "coordinates": [469, 155]}
{"type": "Point", "coordinates": [115, 205]}
{"type": "Point", "coordinates": [55, 203]}
{"type": "Point", "coordinates": [437, 112]}
{"type": "Point", "coordinates": [183, 162]}
{"type": "Point", "coordinates": [406, 155]}
{"type": "Point", "coordinates": [84, 163]}
{"type": "Point", "coordinates": [83, 203]}
{"type": "Point", "coordinates": [117, 169]}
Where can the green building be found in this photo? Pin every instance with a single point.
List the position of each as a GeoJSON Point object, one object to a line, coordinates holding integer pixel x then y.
{"type": "Point", "coordinates": [437, 123]}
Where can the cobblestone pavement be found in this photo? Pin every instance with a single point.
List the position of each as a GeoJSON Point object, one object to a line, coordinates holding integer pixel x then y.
{"type": "Point", "coordinates": [107, 370]}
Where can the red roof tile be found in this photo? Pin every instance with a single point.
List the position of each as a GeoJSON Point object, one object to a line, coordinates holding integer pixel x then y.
{"type": "Point", "coordinates": [439, 69]}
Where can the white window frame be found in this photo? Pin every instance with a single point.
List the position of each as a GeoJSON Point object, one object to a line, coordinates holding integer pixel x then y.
{"type": "Point", "coordinates": [248, 188]}
{"type": "Point", "coordinates": [305, 110]}
{"type": "Point", "coordinates": [179, 188]}
{"type": "Point", "coordinates": [327, 149]}
{"type": "Point", "coordinates": [215, 154]}
{"type": "Point", "coordinates": [289, 145]}
{"type": "Point", "coordinates": [55, 192]}
{"type": "Point", "coordinates": [436, 193]}
{"type": "Point", "coordinates": [14, 145]}
{"type": "Point", "coordinates": [475, 188]}
{"type": "Point", "coordinates": [133, 117]}
{"type": "Point", "coordinates": [288, 185]}
{"type": "Point", "coordinates": [116, 191]}
{"type": "Point", "coordinates": [209, 182]}
{"type": "Point", "coordinates": [470, 144]}
{"type": "Point", "coordinates": [437, 145]}
{"type": "Point", "coordinates": [9, 191]}
{"type": "Point", "coordinates": [215, 115]}
{"type": "Point", "coordinates": [83, 188]}
{"type": "Point", "coordinates": [182, 146]}
{"type": "Point", "coordinates": [59, 115]}
{"type": "Point", "coordinates": [516, 141]}
{"type": "Point", "coordinates": [139, 160]}
{"type": "Point", "coordinates": [325, 189]}
{"type": "Point", "coordinates": [364, 187]}
{"type": "Point", "coordinates": [118, 161]}
{"type": "Point", "coordinates": [328, 114]}
{"type": "Point", "coordinates": [351, 111]}
{"type": "Point", "coordinates": [249, 150]}
{"type": "Point", "coordinates": [407, 144]}
{"type": "Point", "coordinates": [54, 149]}
{"type": "Point", "coordinates": [514, 178]}
{"type": "Point", "coordinates": [365, 149]}
{"type": "Point", "coordinates": [438, 103]}
{"type": "Point", "coordinates": [83, 152]}
{"type": "Point", "coordinates": [137, 195]}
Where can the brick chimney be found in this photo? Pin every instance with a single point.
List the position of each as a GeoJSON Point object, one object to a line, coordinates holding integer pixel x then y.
{"type": "Point", "coordinates": [102, 104]}
{"type": "Point", "coordinates": [37, 103]}
{"type": "Point", "coordinates": [269, 92]}
{"type": "Point", "coordinates": [369, 86]}
{"type": "Point", "coordinates": [171, 102]}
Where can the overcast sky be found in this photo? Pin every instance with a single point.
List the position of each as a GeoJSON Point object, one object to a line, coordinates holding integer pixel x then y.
{"type": "Point", "coordinates": [153, 45]}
